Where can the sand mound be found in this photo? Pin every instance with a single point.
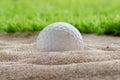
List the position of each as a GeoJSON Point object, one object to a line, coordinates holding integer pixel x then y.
{"type": "Point", "coordinates": [20, 60]}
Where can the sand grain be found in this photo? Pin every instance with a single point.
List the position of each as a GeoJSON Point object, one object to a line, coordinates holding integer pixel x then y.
{"type": "Point", "coordinates": [20, 60]}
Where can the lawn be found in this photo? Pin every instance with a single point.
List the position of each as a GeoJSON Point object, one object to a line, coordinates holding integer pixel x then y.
{"type": "Point", "coordinates": [88, 16]}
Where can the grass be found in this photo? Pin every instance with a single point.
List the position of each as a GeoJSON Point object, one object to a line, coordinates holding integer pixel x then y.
{"type": "Point", "coordinates": [88, 16]}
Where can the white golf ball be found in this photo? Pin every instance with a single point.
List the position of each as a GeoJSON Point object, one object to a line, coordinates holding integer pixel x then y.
{"type": "Point", "coordinates": [59, 36]}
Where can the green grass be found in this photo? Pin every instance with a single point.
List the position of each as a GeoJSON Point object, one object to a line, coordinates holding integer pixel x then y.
{"type": "Point", "coordinates": [88, 16]}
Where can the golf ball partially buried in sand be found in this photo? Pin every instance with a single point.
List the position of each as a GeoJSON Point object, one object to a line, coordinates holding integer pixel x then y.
{"type": "Point", "coordinates": [59, 36]}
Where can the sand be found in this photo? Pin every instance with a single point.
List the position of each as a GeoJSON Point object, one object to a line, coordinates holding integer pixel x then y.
{"type": "Point", "coordinates": [20, 59]}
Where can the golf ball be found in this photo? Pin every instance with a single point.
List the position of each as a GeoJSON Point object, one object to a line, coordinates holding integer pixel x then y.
{"type": "Point", "coordinates": [59, 36]}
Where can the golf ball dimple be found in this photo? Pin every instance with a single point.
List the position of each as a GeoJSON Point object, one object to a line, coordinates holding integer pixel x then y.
{"type": "Point", "coordinates": [59, 36]}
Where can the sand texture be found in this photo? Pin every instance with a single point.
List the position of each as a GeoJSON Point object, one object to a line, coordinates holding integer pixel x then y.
{"type": "Point", "coordinates": [20, 60]}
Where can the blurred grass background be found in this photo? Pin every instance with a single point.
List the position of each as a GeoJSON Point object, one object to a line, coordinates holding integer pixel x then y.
{"type": "Point", "coordinates": [88, 16]}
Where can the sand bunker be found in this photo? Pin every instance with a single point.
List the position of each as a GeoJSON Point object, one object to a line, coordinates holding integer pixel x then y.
{"type": "Point", "coordinates": [20, 60]}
